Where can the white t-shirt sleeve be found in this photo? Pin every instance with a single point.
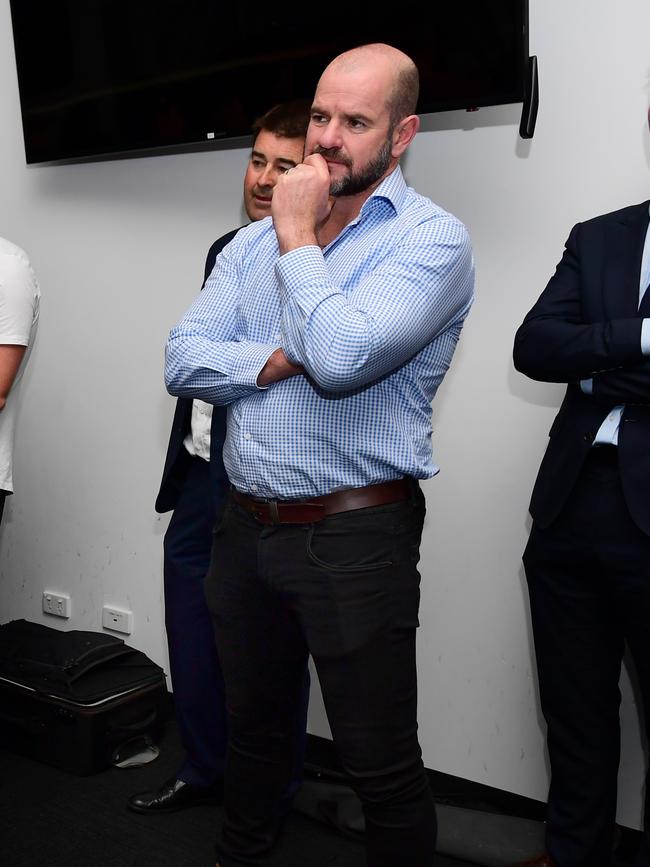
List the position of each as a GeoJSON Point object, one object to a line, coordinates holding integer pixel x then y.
{"type": "Point", "coordinates": [18, 289]}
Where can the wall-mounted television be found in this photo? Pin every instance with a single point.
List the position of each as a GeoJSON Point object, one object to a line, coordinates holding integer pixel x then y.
{"type": "Point", "coordinates": [105, 78]}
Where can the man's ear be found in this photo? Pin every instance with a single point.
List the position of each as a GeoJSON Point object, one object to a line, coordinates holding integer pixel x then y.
{"type": "Point", "coordinates": [404, 134]}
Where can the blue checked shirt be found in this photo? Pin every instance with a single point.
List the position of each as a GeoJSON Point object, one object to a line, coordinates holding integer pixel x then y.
{"type": "Point", "coordinates": [374, 318]}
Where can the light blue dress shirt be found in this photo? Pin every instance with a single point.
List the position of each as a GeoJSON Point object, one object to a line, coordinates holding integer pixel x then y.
{"type": "Point", "coordinates": [608, 431]}
{"type": "Point", "coordinates": [373, 318]}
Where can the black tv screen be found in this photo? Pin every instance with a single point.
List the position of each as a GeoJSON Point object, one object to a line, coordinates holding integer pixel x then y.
{"type": "Point", "coordinates": [106, 78]}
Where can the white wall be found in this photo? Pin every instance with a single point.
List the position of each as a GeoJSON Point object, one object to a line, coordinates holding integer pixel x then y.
{"type": "Point", "coordinates": [119, 248]}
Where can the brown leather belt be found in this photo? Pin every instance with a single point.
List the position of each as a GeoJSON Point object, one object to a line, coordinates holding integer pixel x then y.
{"type": "Point", "coordinates": [308, 511]}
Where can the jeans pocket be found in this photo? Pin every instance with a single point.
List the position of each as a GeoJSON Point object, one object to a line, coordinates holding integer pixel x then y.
{"type": "Point", "coordinates": [353, 542]}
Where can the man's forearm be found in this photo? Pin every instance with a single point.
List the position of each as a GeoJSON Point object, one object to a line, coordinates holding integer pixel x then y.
{"type": "Point", "coordinates": [552, 350]}
{"type": "Point", "coordinates": [625, 385]}
{"type": "Point", "coordinates": [348, 339]}
{"type": "Point", "coordinates": [277, 368]}
{"type": "Point", "coordinates": [217, 372]}
{"type": "Point", "coordinates": [11, 354]}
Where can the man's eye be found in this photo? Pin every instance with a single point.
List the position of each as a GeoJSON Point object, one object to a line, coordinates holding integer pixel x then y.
{"type": "Point", "coordinates": [357, 124]}
{"type": "Point", "coordinates": [258, 164]}
{"type": "Point", "coordinates": [318, 118]}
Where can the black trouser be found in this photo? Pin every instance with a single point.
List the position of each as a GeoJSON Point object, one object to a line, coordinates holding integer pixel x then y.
{"type": "Point", "coordinates": [346, 590]}
{"type": "Point", "coordinates": [589, 583]}
{"type": "Point", "coordinates": [199, 695]}
{"type": "Point", "coordinates": [196, 675]}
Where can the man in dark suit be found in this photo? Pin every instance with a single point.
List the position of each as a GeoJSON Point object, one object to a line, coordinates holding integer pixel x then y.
{"type": "Point", "coordinates": [588, 558]}
{"type": "Point", "coordinates": [194, 484]}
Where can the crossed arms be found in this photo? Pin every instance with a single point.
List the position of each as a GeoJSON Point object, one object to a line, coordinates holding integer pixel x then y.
{"type": "Point", "coordinates": [341, 341]}
{"type": "Point", "coordinates": [556, 344]}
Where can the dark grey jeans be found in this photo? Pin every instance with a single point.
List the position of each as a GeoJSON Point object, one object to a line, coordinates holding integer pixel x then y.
{"type": "Point", "coordinates": [346, 590]}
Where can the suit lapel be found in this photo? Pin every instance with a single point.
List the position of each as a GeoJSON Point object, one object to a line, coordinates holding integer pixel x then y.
{"type": "Point", "coordinates": [624, 251]}
{"type": "Point", "coordinates": [644, 307]}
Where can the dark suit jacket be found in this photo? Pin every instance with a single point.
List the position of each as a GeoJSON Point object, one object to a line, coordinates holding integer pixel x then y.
{"type": "Point", "coordinates": [587, 324]}
{"type": "Point", "coordinates": [178, 457]}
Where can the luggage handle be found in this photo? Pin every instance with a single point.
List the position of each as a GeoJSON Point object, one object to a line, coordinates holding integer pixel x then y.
{"type": "Point", "coordinates": [70, 670]}
{"type": "Point", "coordinates": [136, 727]}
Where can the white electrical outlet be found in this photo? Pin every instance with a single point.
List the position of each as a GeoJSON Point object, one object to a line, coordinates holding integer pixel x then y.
{"type": "Point", "coordinates": [57, 604]}
{"type": "Point", "coordinates": [117, 619]}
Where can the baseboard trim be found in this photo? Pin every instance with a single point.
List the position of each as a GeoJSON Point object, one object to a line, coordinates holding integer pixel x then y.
{"type": "Point", "coordinates": [321, 762]}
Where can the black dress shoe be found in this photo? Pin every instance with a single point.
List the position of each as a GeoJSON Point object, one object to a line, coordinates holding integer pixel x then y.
{"type": "Point", "coordinates": [175, 795]}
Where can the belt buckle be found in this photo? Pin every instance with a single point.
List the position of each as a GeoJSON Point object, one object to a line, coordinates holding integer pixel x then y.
{"type": "Point", "coordinates": [274, 511]}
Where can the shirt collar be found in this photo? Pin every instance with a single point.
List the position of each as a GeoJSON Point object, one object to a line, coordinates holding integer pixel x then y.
{"type": "Point", "coordinates": [392, 190]}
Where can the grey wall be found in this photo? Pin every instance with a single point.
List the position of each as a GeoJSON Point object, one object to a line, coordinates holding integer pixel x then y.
{"type": "Point", "coordinates": [119, 249]}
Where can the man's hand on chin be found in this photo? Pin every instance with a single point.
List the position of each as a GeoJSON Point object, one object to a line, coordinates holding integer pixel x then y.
{"type": "Point", "coordinates": [301, 203]}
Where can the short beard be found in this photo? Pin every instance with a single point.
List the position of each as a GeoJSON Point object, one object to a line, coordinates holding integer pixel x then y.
{"type": "Point", "coordinates": [359, 182]}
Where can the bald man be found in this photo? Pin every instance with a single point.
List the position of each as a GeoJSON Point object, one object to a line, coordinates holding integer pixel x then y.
{"type": "Point", "coordinates": [326, 332]}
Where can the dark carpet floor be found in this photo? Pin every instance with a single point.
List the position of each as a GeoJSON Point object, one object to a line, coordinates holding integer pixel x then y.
{"type": "Point", "coordinates": [49, 818]}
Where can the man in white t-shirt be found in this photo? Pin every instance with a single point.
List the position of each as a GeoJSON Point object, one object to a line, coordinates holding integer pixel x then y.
{"type": "Point", "coordinates": [19, 307]}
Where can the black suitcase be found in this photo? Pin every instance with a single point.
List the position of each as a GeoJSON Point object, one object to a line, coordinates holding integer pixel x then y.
{"type": "Point", "coordinates": [72, 699]}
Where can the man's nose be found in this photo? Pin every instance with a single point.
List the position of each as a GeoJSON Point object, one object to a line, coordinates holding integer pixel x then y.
{"type": "Point", "coordinates": [268, 177]}
{"type": "Point", "coordinates": [330, 136]}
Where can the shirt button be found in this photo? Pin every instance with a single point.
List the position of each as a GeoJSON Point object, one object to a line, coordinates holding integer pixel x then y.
{"type": "Point", "coordinates": [247, 436]}
{"type": "Point", "coordinates": [253, 487]}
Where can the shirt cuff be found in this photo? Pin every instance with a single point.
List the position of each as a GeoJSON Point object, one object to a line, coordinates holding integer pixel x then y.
{"type": "Point", "coordinates": [645, 337]}
{"type": "Point", "coordinates": [587, 385]}
{"type": "Point", "coordinates": [302, 272]}
{"type": "Point", "coordinates": [249, 362]}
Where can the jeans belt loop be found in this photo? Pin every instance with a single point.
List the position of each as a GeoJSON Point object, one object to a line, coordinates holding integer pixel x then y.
{"type": "Point", "coordinates": [273, 509]}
